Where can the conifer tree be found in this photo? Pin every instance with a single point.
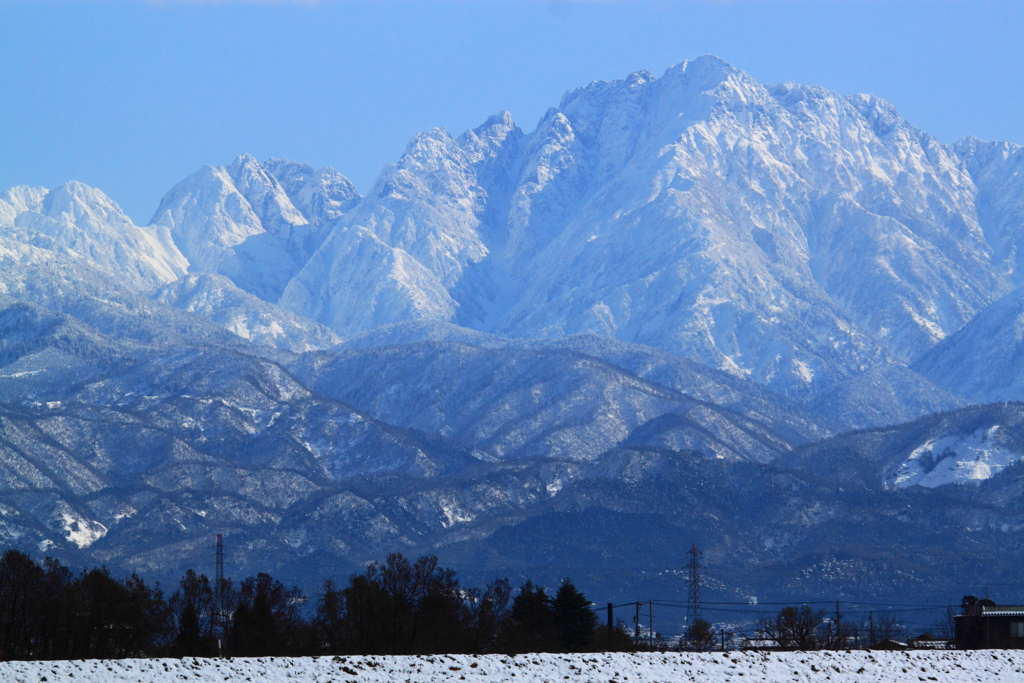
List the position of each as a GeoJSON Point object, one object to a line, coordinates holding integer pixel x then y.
{"type": "Point", "coordinates": [188, 638]}
{"type": "Point", "coordinates": [529, 626]}
{"type": "Point", "coordinates": [573, 618]}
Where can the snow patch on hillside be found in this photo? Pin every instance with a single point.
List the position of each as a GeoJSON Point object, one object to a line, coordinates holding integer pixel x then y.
{"type": "Point", "coordinates": [79, 530]}
{"type": "Point", "coordinates": [955, 460]}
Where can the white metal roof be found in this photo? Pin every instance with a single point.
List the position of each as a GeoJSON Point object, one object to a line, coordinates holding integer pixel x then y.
{"type": "Point", "coordinates": [1004, 610]}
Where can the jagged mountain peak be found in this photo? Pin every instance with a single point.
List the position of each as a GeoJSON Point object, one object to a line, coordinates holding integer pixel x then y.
{"type": "Point", "coordinates": [704, 73]}
{"type": "Point", "coordinates": [502, 119]}
{"type": "Point", "coordinates": [753, 210]}
{"type": "Point", "coordinates": [244, 163]}
{"type": "Point", "coordinates": [23, 197]}
{"type": "Point", "coordinates": [207, 216]}
{"type": "Point", "coordinates": [265, 194]}
{"type": "Point", "coordinates": [74, 200]}
{"type": "Point", "coordinates": [322, 195]}
{"type": "Point", "coordinates": [976, 150]}
{"type": "Point", "coordinates": [84, 224]}
{"type": "Point", "coordinates": [431, 151]}
{"type": "Point", "coordinates": [708, 73]}
{"type": "Point", "coordinates": [706, 63]}
{"type": "Point", "coordinates": [882, 115]}
{"type": "Point", "coordinates": [287, 167]}
{"type": "Point", "coordinates": [785, 234]}
{"type": "Point", "coordinates": [244, 222]}
{"type": "Point", "coordinates": [601, 88]}
{"type": "Point", "coordinates": [493, 139]}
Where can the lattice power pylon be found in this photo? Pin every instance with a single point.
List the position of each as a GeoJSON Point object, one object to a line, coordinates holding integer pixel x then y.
{"type": "Point", "coordinates": [219, 597]}
{"type": "Point", "coordinates": [693, 604]}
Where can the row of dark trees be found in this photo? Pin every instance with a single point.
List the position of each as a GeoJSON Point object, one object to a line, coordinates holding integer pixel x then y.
{"type": "Point", "coordinates": [394, 607]}
{"type": "Point", "coordinates": [47, 612]}
{"type": "Point", "coordinates": [801, 628]}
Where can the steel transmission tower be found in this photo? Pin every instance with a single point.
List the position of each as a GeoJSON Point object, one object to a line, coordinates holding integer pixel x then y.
{"type": "Point", "coordinates": [693, 604]}
{"type": "Point", "coordinates": [220, 609]}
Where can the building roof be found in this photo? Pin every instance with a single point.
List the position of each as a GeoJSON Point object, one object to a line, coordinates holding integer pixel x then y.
{"type": "Point", "coordinates": [1003, 611]}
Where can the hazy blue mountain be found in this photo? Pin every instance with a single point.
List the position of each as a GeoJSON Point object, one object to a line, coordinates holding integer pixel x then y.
{"type": "Point", "coordinates": [519, 459]}
{"type": "Point", "coordinates": [513, 403]}
{"type": "Point", "coordinates": [122, 448]}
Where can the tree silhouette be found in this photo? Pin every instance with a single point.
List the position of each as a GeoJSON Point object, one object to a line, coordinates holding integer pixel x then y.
{"type": "Point", "coordinates": [573, 618]}
{"type": "Point", "coordinates": [699, 636]}
{"type": "Point", "coordinates": [530, 626]}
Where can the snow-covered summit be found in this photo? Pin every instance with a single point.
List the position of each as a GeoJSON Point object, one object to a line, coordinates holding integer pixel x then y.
{"type": "Point", "coordinates": [321, 195]}
{"type": "Point", "coordinates": [806, 240]}
{"type": "Point", "coordinates": [242, 222]}
{"type": "Point", "coordinates": [787, 234]}
{"type": "Point", "coordinates": [83, 223]}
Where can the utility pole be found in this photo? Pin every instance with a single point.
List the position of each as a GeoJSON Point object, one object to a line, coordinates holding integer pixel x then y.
{"type": "Point", "coordinates": [693, 604]}
{"type": "Point", "coordinates": [650, 623]}
{"type": "Point", "coordinates": [841, 638]}
{"type": "Point", "coordinates": [611, 627]}
{"type": "Point", "coordinates": [636, 622]}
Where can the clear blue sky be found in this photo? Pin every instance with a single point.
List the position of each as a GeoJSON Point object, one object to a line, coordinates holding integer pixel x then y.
{"type": "Point", "coordinates": [133, 96]}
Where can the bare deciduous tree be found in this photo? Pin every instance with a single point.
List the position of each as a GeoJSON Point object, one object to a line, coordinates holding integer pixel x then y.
{"type": "Point", "coordinates": [835, 632]}
{"type": "Point", "coordinates": [699, 636]}
{"type": "Point", "coordinates": [793, 628]}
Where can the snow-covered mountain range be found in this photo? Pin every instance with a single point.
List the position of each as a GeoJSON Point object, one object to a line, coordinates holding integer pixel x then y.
{"type": "Point", "coordinates": [692, 273]}
{"type": "Point", "coordinates": [786, 234]}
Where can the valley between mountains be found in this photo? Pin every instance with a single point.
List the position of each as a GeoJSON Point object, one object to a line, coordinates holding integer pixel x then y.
{"type": "Point", "coordinates": [780, 323]}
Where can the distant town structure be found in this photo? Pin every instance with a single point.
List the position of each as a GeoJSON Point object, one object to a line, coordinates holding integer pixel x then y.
{"type": "Point", "coordinates": [984, 624]}
{"type": "Point", "coordinates": [931, 643]}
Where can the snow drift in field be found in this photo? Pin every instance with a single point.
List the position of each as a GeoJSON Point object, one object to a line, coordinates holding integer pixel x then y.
{"type": "Point", "coordinates": [711, 667]}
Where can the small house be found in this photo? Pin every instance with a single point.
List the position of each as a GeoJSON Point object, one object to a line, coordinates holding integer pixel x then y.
{"type": "Point", "coordinates": [987, 625]}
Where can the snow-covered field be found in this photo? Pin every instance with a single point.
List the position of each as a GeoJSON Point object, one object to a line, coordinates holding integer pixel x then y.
{"type": "Point", "coordinates": [982, 665]}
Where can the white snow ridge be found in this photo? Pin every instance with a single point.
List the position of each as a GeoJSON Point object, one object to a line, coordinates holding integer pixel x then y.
{"type": "Point", "coordinates": [777, 667]}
